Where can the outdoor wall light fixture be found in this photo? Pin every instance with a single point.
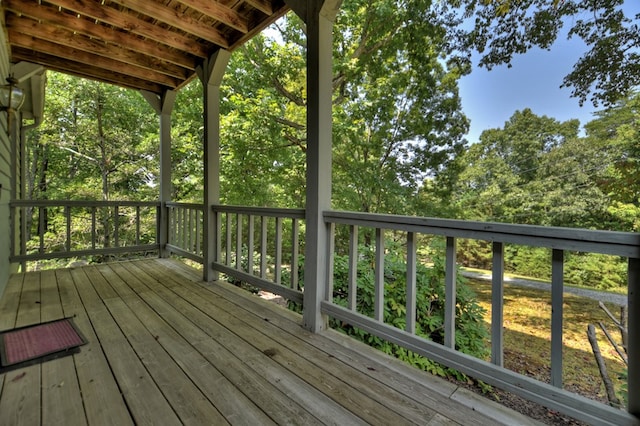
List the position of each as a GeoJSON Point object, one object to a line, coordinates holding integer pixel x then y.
{"type": "Point", "coordinates": [11, 96]}
{"type": "Point", "coordinates": [11, 99]}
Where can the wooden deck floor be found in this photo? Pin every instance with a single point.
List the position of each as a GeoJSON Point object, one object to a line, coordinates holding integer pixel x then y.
{"type": "Point", "coordinates": [167, 349]}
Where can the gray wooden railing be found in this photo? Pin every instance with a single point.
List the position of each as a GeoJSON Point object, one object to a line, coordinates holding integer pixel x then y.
{"type": "Point", "coordinates": [244, 235]}
{"type": "Point", "coordinates": [66, 229]}
{"type": "Point", "coordinates": [186, 230]}
{"type": "Point", "coordinates": [558, 240]}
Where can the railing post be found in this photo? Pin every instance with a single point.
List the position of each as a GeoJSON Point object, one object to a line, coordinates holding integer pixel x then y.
{"type": "Point", "coordinates": [633, 346]}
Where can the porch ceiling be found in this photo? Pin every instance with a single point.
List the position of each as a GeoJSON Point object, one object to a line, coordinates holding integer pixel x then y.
{"type": "Point", "coordinates": [151, 45]}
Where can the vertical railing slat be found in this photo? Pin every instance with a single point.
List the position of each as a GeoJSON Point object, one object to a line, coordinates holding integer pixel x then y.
{"type": "Point", "coordinates": [67, 217]}
{"type": "Point", "coordinates": [295, 258]}
{"type": "Point", "coordinates": [116, 226]}
{"type": "Point", "coordinates": [190, 238]}
{"type": "Point", "coordinates": [497, 301]}
{"type": "Point", "coordinates": [331, 245]}
{"type": "Point", "coordinates": [93, 227]}
{"type": "Point", "coordinates": [633, 332]}
{"type": "Point", "coordinates": [198, 248]}
{"type": "Point", "coordinates": [353, 267]}
{"type": "Point", "coordinates": [137, 225]}
{"type": "Point", "coordinates": [557, 284]}
{"type": "Point", "coordinates": [41, 214]}
{"type": "Point", "coordinates": [379, 277]}
{"type": "Point", "coordinates": [263, 247]}
{"type": "Point", "coordinates": [278, 260]}
{"type": "Point", "coordinates": [450, 295]}
{"type": "Point", "coordinates": [411, 282]}
{"type": "Point", "coordinates": [227, 243]}
{"type": "Point", "coordinates": [250, 243]}
{"type": "Point", "coordinates": [238, 241]}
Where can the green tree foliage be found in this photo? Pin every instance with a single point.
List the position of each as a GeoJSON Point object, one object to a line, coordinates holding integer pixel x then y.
{"type": "Point", "coordinates": [607, 72]}
{"type": "Point", "coordinates": [397, 113]}
{"type": "Point", "coordinates": [97, 141]}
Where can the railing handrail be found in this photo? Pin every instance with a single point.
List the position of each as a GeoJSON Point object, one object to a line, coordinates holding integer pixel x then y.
{"type": "Point", "coordinates": [262, 211]}
{"type": "Point", "coordinates": [185, 205]}
{"type": "Point", "coordinates": [626, 244]}
{"type": "Point", "coordinates": [82, 203]}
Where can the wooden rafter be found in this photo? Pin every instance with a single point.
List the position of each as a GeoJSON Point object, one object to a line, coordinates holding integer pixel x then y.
{"type": "Point", "coordinates": [105, 33]}
{"type": "Point", "coordinates": [151, 45]}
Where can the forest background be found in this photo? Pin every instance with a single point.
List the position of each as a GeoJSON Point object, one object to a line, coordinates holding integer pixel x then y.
{"type": "Point", "coordinates": [399, 131]}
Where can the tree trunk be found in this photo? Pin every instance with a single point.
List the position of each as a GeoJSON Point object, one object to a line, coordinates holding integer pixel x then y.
{"type": "Point", "coordinates": [608, 385]}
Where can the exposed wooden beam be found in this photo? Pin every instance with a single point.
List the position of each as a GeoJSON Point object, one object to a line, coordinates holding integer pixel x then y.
{"type": "Point", "coordinates": [85, 70]}
{"type": "Point", "coordinates": [262, 5]}
{"type": "Point", "coordinates": [133, 25]}
{"type": "Point", "coordinates": [72, 54]}
{"type": "Point", "coordinates": [258, 28]}
{"type": "Point", "coordinates": [175, 19]}
{"type": "Point", "coordinates": [61, 36]}
{"type": "Point", "coordinates": [219, 12]}
{"type": "Point", "coordinates": [102, 32]}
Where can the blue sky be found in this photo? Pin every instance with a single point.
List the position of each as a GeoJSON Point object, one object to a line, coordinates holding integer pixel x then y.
{"type": "Point", "coordinates": [489, 98]}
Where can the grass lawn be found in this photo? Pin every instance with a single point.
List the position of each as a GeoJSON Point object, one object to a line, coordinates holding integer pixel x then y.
{"type": "Point", "coordinates": [527, 338]}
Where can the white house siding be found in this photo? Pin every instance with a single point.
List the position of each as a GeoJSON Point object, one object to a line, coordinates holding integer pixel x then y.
{"type": "Point", "coordinates": [5, 173]}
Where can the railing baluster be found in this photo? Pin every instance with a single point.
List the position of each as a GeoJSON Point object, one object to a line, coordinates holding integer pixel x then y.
{"type": "Point", "coordinates": [278, 259]}
{"type": "Point", "coordinates": [93, 228]}
{"type": "Point", "coordinates": [238, 241]}
{"type": "Point", "coordinates": [137, 225]}
{"type": "Point", "coordinates": [497, 299]}
{"type": "Point", "coordinates": [557, 284]}
{"type": "Point", "coordinates": [250, 243]}
{"type": "Point", "coordinates": [633, 345]}
{"type": "Point", "coordinates": [411, 282]}
{"type": "Point", "coordinates": [116, 226]}
{"type": "Point", "coordinates": [263, 247]}
{"type": "Point", "coordinates": [331, 245]}
{"type": "Point", "coordinates": [41, 214]}
{"type": "Point", "coordinates": [353, 267]}
{"type": "Point", "coordinates": [450, 295]}
{"type": "Point", "coordinates": [185, 228]}
{"type": "Point", "coordinates": [379, 277]}
{"type": "Point", "coordinates": [67, 217]}
{"type": "Point", "coordinates": [189, 246]}
{"type": "Point", "coordinates": [295, 229]}
{"type": "Point", "coordinates": [227, 242]}
{"type": "Point", "coordinates": [198, 249]}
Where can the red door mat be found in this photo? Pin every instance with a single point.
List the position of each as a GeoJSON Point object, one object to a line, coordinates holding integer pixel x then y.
{"type": "Point", "coordinates": [39, 342]}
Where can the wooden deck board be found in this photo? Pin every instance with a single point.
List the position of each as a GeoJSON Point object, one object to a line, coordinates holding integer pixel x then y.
{"type": "Point", "coordinates": [165, 348]}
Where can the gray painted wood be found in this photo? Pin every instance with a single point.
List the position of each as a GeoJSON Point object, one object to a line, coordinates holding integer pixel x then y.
{"type": "Point", "coordinates": [378, 302]}
{"type": "Point", "coordinates": [319, 32]}
{"type": "Point", "coordinates": [634, 336]}
{"type": "Point", "coordinates": [210, 74]}
{"type": "Point", "coordinates": [557, 284]}
{"type": "Point", "coordinates": [497, 305]}
{"type": "Point", "coordinates": [353, 268]}
{"type": "Point", "coordinates": [626, 244]}
{"type": "Point", "coordinates": [278, 258]}
{"type": "Point", "coordinates": [450, 294]}
{"type": "Point", "coordinates": [295, 257]}
{"type": "Point", "coordinates": [411, 282]}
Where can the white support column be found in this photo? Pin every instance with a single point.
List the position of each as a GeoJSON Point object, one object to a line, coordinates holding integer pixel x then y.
{"type": "Point", "coordinates": [318, 16]}
{"type": "Point", "coordinates": [210, 74]}
{"type": "Point", "coordinates": [163, 105]}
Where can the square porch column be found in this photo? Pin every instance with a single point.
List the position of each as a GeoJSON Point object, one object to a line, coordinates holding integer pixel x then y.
{"type": "Point", "coordinates": [318, 16]}
{"type": "Point", "coordinates": [210, 74]}
{"type": "Point", "coordinates": [163, 105]}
